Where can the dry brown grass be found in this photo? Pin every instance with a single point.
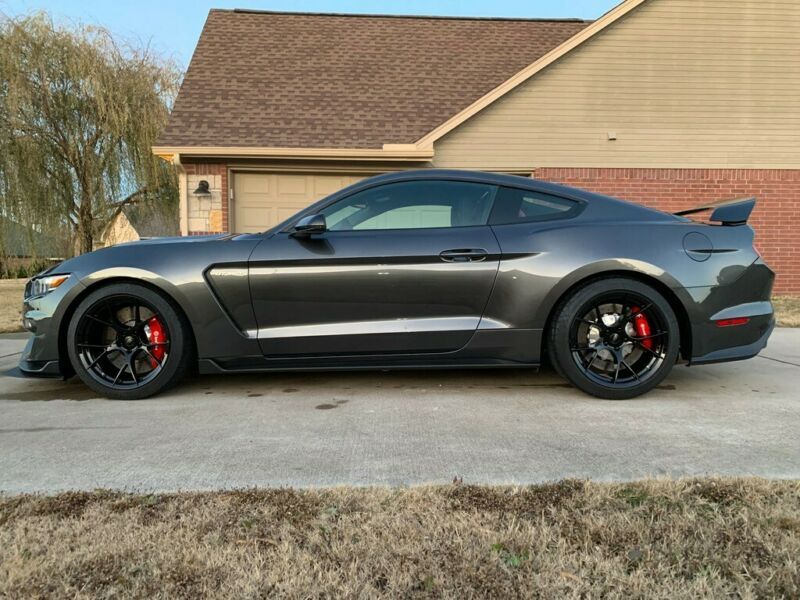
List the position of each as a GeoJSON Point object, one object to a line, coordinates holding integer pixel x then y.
{"type": "Point", "coordinates": [787, 309]}
{"type": "Point", "coordinates": [666, 539]}
{"type": "Point", "coordinates": [11, 304]}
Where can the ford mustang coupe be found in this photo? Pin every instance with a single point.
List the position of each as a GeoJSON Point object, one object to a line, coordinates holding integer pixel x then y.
{"type": "Point", "coordinates": [415, 270]}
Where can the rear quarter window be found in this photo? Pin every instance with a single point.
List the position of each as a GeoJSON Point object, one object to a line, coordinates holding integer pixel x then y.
{"type": "Point", "coordinates": [514, 205]}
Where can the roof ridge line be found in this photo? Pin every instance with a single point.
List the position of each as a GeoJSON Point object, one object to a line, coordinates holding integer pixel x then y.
{"type": "Point", "coordinates": [399, 16]}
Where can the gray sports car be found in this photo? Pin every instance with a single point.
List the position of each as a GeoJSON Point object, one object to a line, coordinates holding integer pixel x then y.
{"type": "Point", "coordinates": [415, 270]}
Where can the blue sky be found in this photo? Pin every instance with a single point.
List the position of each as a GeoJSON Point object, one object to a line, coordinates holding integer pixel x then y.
{"type": "Point", "coordinates": [172, 27]}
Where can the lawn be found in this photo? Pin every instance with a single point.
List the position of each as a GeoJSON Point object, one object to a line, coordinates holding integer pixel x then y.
{"type": "Point", "coordinates": [687, 538]}
{"type": "Point", "coordinates": [787, 308]}
{"type": "Point", "coordinates": [11, 304]}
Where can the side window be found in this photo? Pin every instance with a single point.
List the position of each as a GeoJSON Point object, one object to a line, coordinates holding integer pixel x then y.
{"type": "Point", "coordinates": [413, 205]}
{"type": "Point", "coordinates": [519, 206]}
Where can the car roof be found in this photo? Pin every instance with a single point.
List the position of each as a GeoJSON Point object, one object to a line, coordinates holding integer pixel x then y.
{"type": "Point", "coordinates": [603, 205]}
{"type": "Point", "coordinates": [599, 207]}
{"type": "Point", "coordinates": [461, 175]}
{"type": "Point", "coordinates": [517, 181]}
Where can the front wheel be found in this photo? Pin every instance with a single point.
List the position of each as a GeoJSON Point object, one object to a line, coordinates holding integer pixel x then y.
{"type": "Point", "coordinates": [614, 338]}
{"type": "Point", "coordinates": [127, 342]}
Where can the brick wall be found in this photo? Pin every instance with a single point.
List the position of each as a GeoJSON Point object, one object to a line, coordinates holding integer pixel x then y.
{"type": "Point", "coordinates": [207, 215]}
{"type": "Point", "coordinates": [776, 218]}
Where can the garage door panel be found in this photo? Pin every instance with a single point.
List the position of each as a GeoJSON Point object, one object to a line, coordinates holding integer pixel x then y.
{"type": "Point", "coordinates": [286, 212]}
{"type": "Point", "coordinates": [260, 214]}
{"type": "Point", "coordinates": [252, 216]}
{"type": "Point", "coordinates": [249, 183]}
{"type": "Point", "coordinates": [262, 200]}
{"type": "Point", "coordinates": [296, 185]}
{"type": "Point", "coordinates": [328, 185]}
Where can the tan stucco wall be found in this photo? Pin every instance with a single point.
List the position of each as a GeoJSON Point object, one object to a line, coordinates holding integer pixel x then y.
{"type": "Point", "coordinates": [118, 231]}
{"type": "Point", "coordinates": [681, 83]}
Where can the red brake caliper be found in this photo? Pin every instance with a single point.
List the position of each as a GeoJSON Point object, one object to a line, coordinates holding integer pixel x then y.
{"type": "Point", "coordinates": [642, 327]}
{"type": "Point", "coordinates": [156, 335]}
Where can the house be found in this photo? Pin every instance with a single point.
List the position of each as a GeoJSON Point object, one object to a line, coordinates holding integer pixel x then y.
{"type": "Point", "coordinates": [671, 103]}
{"type": "Point", "coordinates": [118, 231]}
{"type": "Point", "coordinates": [135, 222]}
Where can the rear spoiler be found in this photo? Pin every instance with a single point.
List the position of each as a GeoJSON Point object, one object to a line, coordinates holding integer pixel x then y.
{"type": "Point", "coordinates": [727, 212]}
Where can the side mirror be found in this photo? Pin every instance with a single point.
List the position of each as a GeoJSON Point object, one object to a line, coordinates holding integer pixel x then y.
{"type": "Point", "coordinates": [309, 225]}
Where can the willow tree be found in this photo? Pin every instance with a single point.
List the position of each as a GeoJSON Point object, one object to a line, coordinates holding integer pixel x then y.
{"type": "Point", "coordinates": [79, 113]}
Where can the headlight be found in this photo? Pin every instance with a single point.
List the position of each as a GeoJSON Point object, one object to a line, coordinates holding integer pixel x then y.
{"type": "Point", "coordinates": [39, 286]}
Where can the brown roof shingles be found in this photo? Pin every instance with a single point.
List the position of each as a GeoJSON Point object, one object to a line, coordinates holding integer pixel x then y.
{"type": "Point", "coordinates": [260, 79]}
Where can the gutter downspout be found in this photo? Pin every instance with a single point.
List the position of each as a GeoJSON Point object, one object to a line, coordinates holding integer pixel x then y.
{"type": "Point", "coordinates": [183, 195]}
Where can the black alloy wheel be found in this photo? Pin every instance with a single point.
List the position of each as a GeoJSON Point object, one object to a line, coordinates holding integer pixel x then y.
{"type": "Point", "coordinates": [128, 342]}
{"type": "Point", "coordinates": [116, 343]}
{"type": "Point", "coordinates": [607, 346]}
{"type": "Point", "coordinates": [615, 338]}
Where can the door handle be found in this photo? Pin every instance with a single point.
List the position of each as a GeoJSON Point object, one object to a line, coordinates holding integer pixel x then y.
{"type": "Point", "coordinates": [464, 255]}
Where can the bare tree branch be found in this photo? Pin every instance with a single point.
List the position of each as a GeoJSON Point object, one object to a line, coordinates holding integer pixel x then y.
{"type": "Point", "coordinates": [78, 116]}
{"type": "Point", "coordinates": [130, 199]}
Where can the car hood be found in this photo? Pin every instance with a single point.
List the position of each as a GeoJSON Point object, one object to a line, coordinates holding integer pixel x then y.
{"type": "Point", "coordinates": [125, 253]}
{"type": "Point", "coordinates": [188, 239]}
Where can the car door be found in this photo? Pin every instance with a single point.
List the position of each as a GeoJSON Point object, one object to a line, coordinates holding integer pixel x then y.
{"type": "Point", "coordinates": [403, 267]}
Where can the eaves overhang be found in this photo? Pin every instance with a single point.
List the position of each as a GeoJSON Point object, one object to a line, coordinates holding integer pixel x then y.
{"type": "Point", "coordinates": [389, 152]}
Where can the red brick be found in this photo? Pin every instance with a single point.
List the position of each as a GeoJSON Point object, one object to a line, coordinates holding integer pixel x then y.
{"type": "Point", "coordinates": [776, 218]}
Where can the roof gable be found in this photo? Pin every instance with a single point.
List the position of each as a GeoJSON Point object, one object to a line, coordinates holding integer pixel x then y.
{"type": "Point", "coordinates": [517, 79]}
{"type": "Point", "coordinates": [286, 80]}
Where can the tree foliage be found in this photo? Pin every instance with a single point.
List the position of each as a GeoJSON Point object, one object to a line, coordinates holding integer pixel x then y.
{"type": "Point", "coordinates": [79, 113]}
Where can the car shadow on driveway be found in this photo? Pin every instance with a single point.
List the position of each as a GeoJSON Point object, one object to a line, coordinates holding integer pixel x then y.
{"type": "Point", "coordinates": [321, 384]}
{"type": "Point", "coordinates": [255, 385]}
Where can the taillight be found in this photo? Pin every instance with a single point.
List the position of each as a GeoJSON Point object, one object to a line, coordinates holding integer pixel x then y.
{"type": "Point", "coordinates": [732, 322]}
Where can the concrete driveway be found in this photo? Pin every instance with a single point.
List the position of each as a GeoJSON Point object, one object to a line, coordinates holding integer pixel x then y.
{"type": "Point", "coordinates": [399, 428]}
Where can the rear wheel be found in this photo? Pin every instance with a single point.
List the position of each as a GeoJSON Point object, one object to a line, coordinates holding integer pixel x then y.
{"type": "Point", "coordinates": [126, 341]}
{"type": "Point", "coordinates": [614, 338]}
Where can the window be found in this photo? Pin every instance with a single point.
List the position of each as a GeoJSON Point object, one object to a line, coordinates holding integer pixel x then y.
{"type": "Point", "coordinates": [519, 206]}
{"type": "Point", "coordinates": [413, 205]}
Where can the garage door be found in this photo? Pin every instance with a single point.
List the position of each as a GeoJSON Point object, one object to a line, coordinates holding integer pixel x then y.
{"type": "Point", "coordinates": [262, 200]}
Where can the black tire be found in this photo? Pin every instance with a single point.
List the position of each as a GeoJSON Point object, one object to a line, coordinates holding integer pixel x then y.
{"type": "Point", "coordinates": [95, 356]}
{"type": "Point", "coordinates": [591, 332]}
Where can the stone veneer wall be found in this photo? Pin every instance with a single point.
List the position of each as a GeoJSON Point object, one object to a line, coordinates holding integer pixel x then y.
{"type": "Point", "coordinates": [205, 212]}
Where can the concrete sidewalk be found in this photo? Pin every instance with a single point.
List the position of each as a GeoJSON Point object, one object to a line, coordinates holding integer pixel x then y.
{"type": "Point", "coordinates": [399, 428]}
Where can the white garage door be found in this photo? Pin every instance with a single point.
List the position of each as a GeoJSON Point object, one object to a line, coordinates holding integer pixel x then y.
{"type": "Point", "coordinates": [262, 200]}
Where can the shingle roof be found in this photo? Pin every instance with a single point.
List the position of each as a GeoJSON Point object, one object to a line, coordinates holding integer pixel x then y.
{"type": "Point", "coordinates": [264, 79]}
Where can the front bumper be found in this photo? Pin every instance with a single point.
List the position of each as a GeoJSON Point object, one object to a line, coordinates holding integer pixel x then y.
{"type": "Point", "coordinates": [43, 317]}
{"type": "Point", "coordinates": [38, 368]}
